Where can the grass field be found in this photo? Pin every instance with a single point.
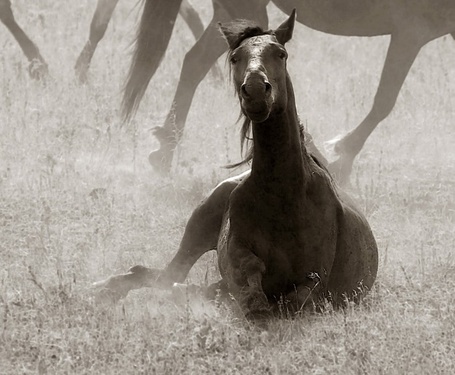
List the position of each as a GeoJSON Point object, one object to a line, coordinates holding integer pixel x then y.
{"type": "Point", "coordinates": [60, 140]}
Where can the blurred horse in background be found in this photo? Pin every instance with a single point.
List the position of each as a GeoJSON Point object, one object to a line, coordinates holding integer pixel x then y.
{"type": "Point", "coordinates": [103, 13]}
{"type": "Point", "coordinates": [410, 23]}
{"type": "Point", "coordinates": [283, 232]}
{"type": "Point", "coordinates": [37, 65]}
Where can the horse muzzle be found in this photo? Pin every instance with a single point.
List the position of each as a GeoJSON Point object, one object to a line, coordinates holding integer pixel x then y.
{"type": "Point", "coordinates": [256, 97]}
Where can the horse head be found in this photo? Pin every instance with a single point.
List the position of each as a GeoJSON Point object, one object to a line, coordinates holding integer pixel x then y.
{"type": "Point", "coordinates": [258, 66]}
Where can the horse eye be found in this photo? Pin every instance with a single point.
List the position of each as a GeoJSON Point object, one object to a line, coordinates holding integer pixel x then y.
{"type": "Point", "coordinates": [234, 60]}
{"type": "Point", "coordinates": [283, 55]}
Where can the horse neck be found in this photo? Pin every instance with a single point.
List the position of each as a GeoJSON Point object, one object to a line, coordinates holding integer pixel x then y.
{"type": "Point", "coordinates": [279, 157]}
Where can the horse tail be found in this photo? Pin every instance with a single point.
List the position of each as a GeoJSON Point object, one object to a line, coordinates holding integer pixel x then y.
{"type": "Point", "coordinates": [153, 35]}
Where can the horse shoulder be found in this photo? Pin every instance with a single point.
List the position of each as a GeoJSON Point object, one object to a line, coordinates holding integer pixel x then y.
{"type": "Point", "coordinates": [214, 206]}
{"type": "Point", "coordinates": [221, 193]}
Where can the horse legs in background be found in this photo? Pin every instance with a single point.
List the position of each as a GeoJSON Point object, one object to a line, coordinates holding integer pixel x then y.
{"type": "Point", "coordinates": [101, 18]}
{"type": "Point", "coordinates": [100, 21]}
{"type": "Point", "coordinates": [401, 54]}
{"type": "Point", "coordinates": [38, 67]}
{"type": "Point", "coordinates": [197, 62]}
{"type": "Point", "coordinates": [194, 69]}
{"type": "Point", "coordinates": [192, 19]}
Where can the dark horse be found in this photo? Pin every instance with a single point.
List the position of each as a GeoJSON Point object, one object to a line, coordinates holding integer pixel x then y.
{"type": "Point", "coordinates": [410, 23]}
{"type": "Point", "coordinates": [100, 21]}
{"type": "Point", "coordinates": [38, 66]}
{"type": "Point", "coordinates": [281, 230]}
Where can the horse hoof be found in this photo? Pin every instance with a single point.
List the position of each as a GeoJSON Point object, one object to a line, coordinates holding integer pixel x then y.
{"type": "Point", "coordinates": [260, 318]}
{"type": "Point", "coordinates": [82, 77]}
{"type": "Point", "coordinates": [160, 161]}
{"type": "Point", "coordinates": [108, 290]}
{"type": "Point", "coordinates": [256, 306]}
{"type": "Point", "coordinates": [37, 70]}
{"type": "Point", "coordinates": [143, 276]}
{"type": "Point", "coordinates": [340, 172]}
{"type": "Point", "coordinates": [334, 147]}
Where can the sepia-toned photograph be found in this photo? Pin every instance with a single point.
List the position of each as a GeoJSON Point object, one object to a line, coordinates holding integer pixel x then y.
{"type": "Point", "coordinates": [227, 187]}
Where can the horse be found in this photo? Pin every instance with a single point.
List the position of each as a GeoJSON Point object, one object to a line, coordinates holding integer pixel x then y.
{"type": "Point", "coordinates": [102, 16]}
{"type": "Point", "coordinates": [282, 231]}
{"type": "Point", "coordinates": [410, 24]}
{"type": "Point", "coordinates": [104, 9]}
{"type": "Point", "coordinates": [37, 65]}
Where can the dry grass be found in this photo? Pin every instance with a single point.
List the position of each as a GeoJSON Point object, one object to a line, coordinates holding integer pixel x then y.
{"type": "Point", "coordinates": [59, 141]}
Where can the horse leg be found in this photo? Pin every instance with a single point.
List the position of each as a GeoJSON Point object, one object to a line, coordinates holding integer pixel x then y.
{"type": "Point", "coordinates": [246, 282]}
{"type": "Point", "coordinates": [401, 54]}
{"type": "Point", "coordinates": [196, 64]}
{"type": "Point", "coordinates": [98, 26]}
{"type": "Point", "coordinates": [305, 294]}
{"type": "Point", "coordinates": [201, 235]}
{"type": "Point", "coordinates": [38, 67]}
{"type": "Point", "coordinates": [192, 19]}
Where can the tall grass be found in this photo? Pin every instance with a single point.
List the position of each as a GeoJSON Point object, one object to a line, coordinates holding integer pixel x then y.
{"type": "Point", "coordinates": [59, 142]}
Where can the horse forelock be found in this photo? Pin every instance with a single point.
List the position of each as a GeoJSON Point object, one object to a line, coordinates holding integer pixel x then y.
{"type": "Point", "coordinates": [239, 30]}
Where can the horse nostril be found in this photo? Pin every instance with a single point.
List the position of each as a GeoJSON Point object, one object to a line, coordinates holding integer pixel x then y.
{"type": "Point", "coordinates": [254, 86]}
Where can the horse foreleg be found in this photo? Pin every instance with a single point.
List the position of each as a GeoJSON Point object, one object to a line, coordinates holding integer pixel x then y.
{"type": "Point", "coordinates": [401, 54]}
{"type": "Point", "coordinates": [192, 19]}
{"type": "Point", "coordinates": [244, 273]}
{"type": "Point", "coordinates": [117, 286]}
{"type": "Point", "coordinates": [38, 67]}
{"type": "Point", "coordinates": [196, 64]}
{"type": "Point", "coordinates": [98, 26]}
{"type": "Point", "coordinates": [305, 295]}
{"type": "Point", "coordinates": [201, 235]}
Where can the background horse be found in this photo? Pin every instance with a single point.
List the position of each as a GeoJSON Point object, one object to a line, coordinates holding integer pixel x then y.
{"type": "Point", "coordinates": [102, 16]}
{"type": "Point", "coordinates": [38, 66]}
{"type": "Point", "coordinates": [282, 230]}
{"type": "Point", "coordinates": [103, 13]}
{"type": "Point", "coordinates": [411, 25]}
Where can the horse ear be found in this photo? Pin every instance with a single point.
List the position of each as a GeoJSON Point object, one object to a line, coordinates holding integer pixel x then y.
{"type": "Point", "coordinates": [230, 37]}
{"type": "Point", "coordinates": [284, 31]}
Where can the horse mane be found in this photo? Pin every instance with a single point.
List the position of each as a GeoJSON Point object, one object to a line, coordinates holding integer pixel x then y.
{"type": "Point", "coordinates": [246, 139]}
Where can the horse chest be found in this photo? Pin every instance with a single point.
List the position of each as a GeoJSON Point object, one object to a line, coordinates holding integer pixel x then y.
{"type": "Point", "coordinates": [285, 234]}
